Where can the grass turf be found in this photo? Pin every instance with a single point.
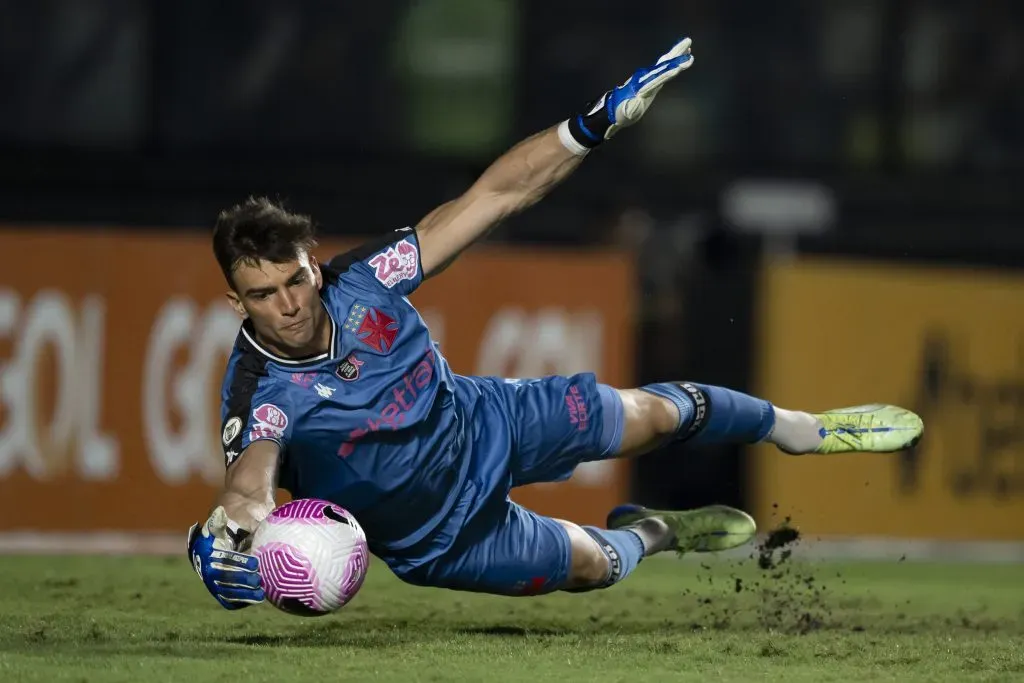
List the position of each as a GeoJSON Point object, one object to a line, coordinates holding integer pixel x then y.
{"type": "Point", "coordinates": [150, 619]}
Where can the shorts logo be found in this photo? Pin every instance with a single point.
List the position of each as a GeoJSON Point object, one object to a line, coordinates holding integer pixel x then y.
{"type": "Point", "coordinates": [532, 587]}
{"type": "Point", "coordinates": [271, 422]}
{"type": "Point", "coordinates": [231, 430]}
{"type": "Point", "coordinates": [397, 263]}
{"type": "Point", "coordinates": [348, 369]}
{"type": "Point", "coordinates": [578, 416]}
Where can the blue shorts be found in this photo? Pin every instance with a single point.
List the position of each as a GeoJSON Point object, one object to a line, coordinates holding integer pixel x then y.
{"type": "Point", "coordinates": [521, 432]}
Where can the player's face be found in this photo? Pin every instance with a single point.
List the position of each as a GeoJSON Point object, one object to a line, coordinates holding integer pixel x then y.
{"type": "Point", "coordinates": [282, 300]}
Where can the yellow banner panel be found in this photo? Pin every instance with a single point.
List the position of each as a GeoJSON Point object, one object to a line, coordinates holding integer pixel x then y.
{"type": "Point", "coordinates": [947, 343]}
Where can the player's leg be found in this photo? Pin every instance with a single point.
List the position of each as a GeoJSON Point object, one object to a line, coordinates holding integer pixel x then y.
{"type": "Point", "coordinates": [650, 416]}
{"type": "Point", "coordinates": [507, 549]}
{"type": "Point", "coordinates": [603, 557]}
{"type": "Point", "coordinates": [510, 550]}
{"type": "Point", "coordinates": [558, 422]}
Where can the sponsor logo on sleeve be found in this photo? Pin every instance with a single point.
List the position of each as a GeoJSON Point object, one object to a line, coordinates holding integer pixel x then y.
{"type": "Point", "coordinates": [398, 262]}
{"type": "Point", "coordinates": [270, 422]}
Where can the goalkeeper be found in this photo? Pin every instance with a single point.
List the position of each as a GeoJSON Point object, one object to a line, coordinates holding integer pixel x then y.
{"type": "Point", "coordinates": [335, 390]}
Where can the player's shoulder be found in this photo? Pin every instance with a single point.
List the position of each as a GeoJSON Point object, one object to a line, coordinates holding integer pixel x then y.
{"type": "Point", "coordinates": [401, 240]}
{"type": "Point", "coordinates": [389, 262]}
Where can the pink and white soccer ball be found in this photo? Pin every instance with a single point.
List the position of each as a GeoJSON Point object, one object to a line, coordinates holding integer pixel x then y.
{"type": "Point", "coordinates": [313, 556]}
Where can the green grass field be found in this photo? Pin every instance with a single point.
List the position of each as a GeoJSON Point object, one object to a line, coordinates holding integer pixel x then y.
{"type": "Point", "coordinates": [150, 620]}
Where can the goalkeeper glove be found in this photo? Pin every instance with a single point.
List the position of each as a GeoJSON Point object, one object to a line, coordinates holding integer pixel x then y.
{"type": "Point", "coordinates": [626, 104]}
{"type": "Point", "coordinates": [215, 550]}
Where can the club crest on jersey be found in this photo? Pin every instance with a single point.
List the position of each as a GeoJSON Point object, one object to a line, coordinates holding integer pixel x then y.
{"type": "Point", "coordinates": [372, 326]}
{"type": "Point", "coordinates": [398, 262]}
{"type": "Point", "coordinates": [271, 422]}
{"type": "Point", "coordinates": [348, 369]}
{"type": "Point", "coordinates": [356, 314]}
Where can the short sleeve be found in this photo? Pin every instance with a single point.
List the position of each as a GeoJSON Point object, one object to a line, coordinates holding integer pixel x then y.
{"type": "Point", "coordinates": [254, 413]}
{"type": "Point", "coordinates": [391, 261]}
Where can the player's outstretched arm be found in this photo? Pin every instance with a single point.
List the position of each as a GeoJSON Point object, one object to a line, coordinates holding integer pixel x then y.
{"type": "Point", "coordinates": [532, 168]}
{"type": "Point", "coordinates": [250, 484]}
{"type": "Point", "coordinates": [217, 548]}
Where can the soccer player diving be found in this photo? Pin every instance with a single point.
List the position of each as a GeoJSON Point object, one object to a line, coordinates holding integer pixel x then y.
{"type": "Point", "coordinates": [334, 390]}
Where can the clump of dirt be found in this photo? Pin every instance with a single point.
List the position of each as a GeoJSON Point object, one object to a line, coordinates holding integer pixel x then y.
{"type": "Point", "coordinates": [778, 539]}
{"type": "Point", "coordinates": [789, 595]}
{"type": "Point", "coordinates": [781, 595]}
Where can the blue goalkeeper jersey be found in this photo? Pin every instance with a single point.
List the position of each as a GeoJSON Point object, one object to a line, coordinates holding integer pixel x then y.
{"type": "Point", "coordinates": [373, 424]}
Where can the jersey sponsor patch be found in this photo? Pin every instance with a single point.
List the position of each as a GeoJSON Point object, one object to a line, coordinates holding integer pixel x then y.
{"type": "Point", "coordinates": [398, 262]}
{"type": "Point", "coordinates": [270, 422]}
{"type": "Point", "coordinates": [231, 429]}
{"type": "Point", "coordinates": [348, 369]}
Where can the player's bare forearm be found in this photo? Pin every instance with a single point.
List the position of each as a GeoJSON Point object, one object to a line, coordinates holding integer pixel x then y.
{"type": "Point", "coordinates": [245, 508]}
{"type": "Point", "coordinates": [528, 171]}
{"type": "Point", "coordinates": [250, 485]}
{"type": "Point", "coordinates": [535, 166]}
{"type": "Point", "coordinates": [514, 182]}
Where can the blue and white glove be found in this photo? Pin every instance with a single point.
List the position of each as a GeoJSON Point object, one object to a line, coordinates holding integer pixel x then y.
{"type": "Point", "coordinates": [215, 550]}
{"type": "Point", "coordinates": [626, 104]}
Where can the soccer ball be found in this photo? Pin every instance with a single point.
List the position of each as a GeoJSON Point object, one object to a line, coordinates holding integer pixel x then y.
{"type": "Point", "coordinates": [313, 557]}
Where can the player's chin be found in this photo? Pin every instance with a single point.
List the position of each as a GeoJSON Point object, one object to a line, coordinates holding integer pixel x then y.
{"type": "Point", "coordinates": [297, 337]}
{"type": "Point", "coordinates": [299, 330]}
{"type": "Point", "coordinates": [293, 342]}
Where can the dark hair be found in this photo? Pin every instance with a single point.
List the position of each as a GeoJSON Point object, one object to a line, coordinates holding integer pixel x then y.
{"type": "Point", "coordinates": [260, 229]}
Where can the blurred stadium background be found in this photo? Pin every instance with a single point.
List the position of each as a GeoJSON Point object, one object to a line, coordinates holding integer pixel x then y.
{"type": "Point", "coordinates": [825, 211]}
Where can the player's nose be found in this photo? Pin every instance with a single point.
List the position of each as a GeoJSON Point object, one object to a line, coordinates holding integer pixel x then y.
{"type": "Point", "coordinates": [289, 304]}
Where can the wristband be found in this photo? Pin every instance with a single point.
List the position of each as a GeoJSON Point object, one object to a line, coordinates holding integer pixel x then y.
{"type": "Point", "coordinates": [583, 132]}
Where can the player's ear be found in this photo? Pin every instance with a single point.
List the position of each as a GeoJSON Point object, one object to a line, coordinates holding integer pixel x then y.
{"type": "Point", "coordinates": [236, 303]}
{"type": "Point", "coordinates": [318, 276]}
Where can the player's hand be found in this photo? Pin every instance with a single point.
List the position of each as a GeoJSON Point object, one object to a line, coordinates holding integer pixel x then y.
{"type": "Point", "coordinates": [625, 105]}
{"type": "Point", "coordinates": [216, 553]}
{"type": "Point", "coordinates": [628, 103]}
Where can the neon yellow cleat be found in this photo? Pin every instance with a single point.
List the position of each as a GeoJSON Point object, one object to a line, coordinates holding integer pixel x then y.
{"type": "Point", "coordinates": [707, 529]}
{"type": "Point", "coordinates": [875, 428]}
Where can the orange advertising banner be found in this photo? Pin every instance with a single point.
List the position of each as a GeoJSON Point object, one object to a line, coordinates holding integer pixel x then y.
{"type": "Point", "coordinates": [113, 345]}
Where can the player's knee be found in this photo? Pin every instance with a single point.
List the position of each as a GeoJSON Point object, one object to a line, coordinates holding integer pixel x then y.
{"type": "Point", "coordinates": [590, 565]}
{"type": "Point", "coordinates": [649, 413]}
